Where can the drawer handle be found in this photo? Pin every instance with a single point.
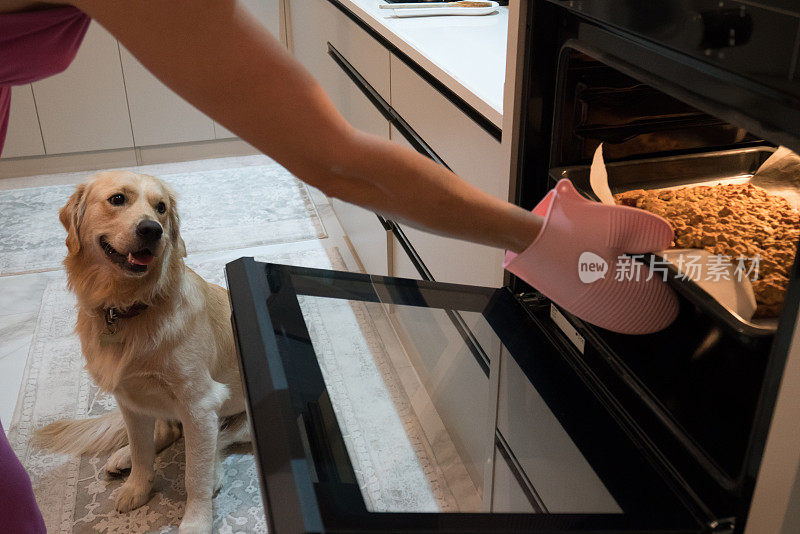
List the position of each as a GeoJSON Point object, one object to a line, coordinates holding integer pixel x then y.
{"type": "Point", "coordinates": [384, 107]}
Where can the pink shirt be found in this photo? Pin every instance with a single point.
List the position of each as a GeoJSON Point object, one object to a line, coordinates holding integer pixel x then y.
{"type": "Point", "coordinates": [35, 45]}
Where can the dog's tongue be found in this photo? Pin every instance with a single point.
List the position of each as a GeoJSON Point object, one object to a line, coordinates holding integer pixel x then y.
{"type": "Point", "coordinates": [140, 258]}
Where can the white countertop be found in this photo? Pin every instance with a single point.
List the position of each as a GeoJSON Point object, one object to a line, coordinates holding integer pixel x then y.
{"type": "Point", "coordinates": [466, 53]}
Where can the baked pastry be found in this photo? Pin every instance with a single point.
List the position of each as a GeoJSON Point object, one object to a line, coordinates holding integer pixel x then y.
{"type": "Point", "coordinates": [733, 220]}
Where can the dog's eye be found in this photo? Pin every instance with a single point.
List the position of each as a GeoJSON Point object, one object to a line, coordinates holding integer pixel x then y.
{"type": "Point", "coordinates": [161, 207]}
{"type": "Point", "coordinates": [117, 200]}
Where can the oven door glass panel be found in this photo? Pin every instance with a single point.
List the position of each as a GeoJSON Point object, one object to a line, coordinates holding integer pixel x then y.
{"type": "Point", "coordinates": [446, 367]}
{"type": "Point", "coordinates": [565, 480]}
{"type": "Point", "coordinates": [354, 432]}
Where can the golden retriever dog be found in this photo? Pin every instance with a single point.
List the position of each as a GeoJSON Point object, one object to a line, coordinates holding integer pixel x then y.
{"type": "Point", "coordinates": [155, 335]}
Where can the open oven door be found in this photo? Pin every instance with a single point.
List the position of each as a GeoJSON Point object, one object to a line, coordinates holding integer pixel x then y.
{"type": "Point", "coordinates": [306, 461]}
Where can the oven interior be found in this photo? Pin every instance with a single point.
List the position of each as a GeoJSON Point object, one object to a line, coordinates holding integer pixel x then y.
{"type": "Point", "coordinates": [599, 104]}
{"type": "Point", "coordinates": [701, 378]}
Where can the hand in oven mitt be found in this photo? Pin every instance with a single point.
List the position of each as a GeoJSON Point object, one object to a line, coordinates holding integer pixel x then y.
{"type": "Point", "coordinates": [574, 261]}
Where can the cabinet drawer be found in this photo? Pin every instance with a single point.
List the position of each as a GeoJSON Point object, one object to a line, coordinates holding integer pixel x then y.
{"type": "Point", "coordinates": [448, 260]}
{"type": "Point", "coordinates": [465, 147]}
{"type": "Point", "coordinates": [315, 23]}
{"type": "Point", "coordinates": [368, 237]}
{"type": "Point", "coordinates": [363, 52]}
{"type": "Point", "coordinates": [560, 474]}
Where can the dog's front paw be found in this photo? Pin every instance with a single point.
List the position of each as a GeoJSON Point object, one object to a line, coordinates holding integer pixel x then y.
{"type": "Point", "coordinates": [196, 523]}
{"type": "Point", "coordinates": [132, 495]}
{"type": "Point", "coordinates": [119, 462]}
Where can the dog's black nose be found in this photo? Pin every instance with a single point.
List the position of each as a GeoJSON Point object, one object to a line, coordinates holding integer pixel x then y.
{"type": "Point", "coordinates": [149, 230]}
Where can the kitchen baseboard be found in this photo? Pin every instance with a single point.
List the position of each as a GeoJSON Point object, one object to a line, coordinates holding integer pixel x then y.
{"type": "Point", "coordinates": [125, 157]}
{"type": "Point", "coordinates": [222, 148]}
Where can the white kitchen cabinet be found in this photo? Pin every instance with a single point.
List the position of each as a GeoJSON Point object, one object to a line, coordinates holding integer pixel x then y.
{"type": "Point", "coordinates": [158, 115]}
{"type": "Point", "coordinates": [362, 51]}
{"type": "Point", "coordinates": [268, 13]}
{"type": "Point", "coordinates": [449, 260]}
{"type": "Point", "coordinates": [84, 108]}
{"type": "Point", "coordinates": [314, 24]}
{"type": "Point", "coordinates": [220, 132]}
{"type": "Point", "coordinates": [465, 146]}
{"type": "Point", "coordinates": [470, 152]}
{"type": "Point", "coordinates": [369, 238]}
{"type": "Point", "coordinates": [24, 136]}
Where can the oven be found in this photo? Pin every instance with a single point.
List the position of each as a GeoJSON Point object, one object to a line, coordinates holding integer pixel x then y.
{"type": "Point", "coordinates": [523, 417]}
{"type": "Point", "coordinates": [679, 93]}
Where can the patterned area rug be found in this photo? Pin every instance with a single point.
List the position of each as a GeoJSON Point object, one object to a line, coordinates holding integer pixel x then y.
{"type": "Point", "coordinates": [393, 461]}
{"type": "Point", "coordinates": [220, 210]}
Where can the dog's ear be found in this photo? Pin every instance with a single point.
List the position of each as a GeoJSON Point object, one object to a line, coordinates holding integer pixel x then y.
{"type": "Point", "coordinates": [71, 215]}
{"type": "Point", "coordinates": [175, 225]}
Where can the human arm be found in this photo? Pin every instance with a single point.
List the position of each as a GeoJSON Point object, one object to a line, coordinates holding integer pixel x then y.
{"type": "Point", "coordinates": [219, 58]}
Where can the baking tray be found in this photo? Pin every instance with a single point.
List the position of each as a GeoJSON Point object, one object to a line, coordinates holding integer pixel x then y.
{"type": "Point", "coordinates": [708, 168]}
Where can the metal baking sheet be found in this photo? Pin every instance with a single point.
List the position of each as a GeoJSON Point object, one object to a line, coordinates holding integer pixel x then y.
{"type": "Point", "coordinates": [709, 168]}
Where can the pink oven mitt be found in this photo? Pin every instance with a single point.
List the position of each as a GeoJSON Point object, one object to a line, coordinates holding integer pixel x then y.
{"type": "Point", "coordinates": [575, 262]}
